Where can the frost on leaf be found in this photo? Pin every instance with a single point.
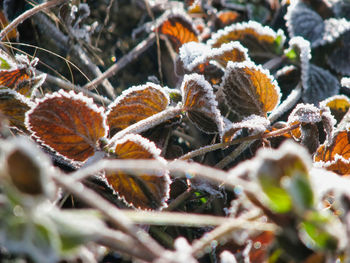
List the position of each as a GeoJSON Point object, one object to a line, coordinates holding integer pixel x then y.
{"type": "Point", "coordinates": [339, 58]}
{"type": "Point", "coordinates": [13, 107]}
{"type": "Point", "coordinates": [70, 124]}
{"type": "Point", "coordinates": [321, 84]}
{"type": "Point", "coordinates": [177, 26]}
{"type": "Point", "coordinates": [135, 104]}
{"type": "Point", "coordinates": [305, 22]}
{"type": "Point", "coordinates": [252, 84]}
{"type": "Point", "coordinates": [200, 105]}
{"type": "Point", "coordinates": [305, 113]}
{"type": "Point", "coordinates": [252, 35]}
{"type": "Point", "coordinates": [338, 105]}
{"type": "Point", "coordinates": [145, 191]}
{"type": "Point", "coordinates": [336, 156]}
{"type": "Point", "coordinates": [255, 124]}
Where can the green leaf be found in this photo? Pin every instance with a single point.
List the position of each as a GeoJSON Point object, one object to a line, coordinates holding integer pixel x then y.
{"type": "Point", "coordinates": [316, 234]}
{"type": "Point", "coordinates": [301, 192]}
{"type": "Point", "coordinates": [292, 54]}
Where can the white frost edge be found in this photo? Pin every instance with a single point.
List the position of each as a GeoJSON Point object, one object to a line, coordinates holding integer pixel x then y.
{"type": "Point", "coordinates": [249, 64]}
{"type": "Point", "coordinates": [259, 28]}
{"type": "Point", "coordinates": [305, 55]}
{"type": "Point", "coordinates": [209, 96]}
{"type": "Point", "coordinates": [69, 95]}
{"type": "Point", "coordinates": [190, 51]}
{"type": "Point", "coordinates": [334, 97]}
{"type": "Point", "coordinates": [8, 60]}
{"type": "Point", "coordinates": [213, 52]}
{"type": "Point", "coordinates": [316, 114]}
{"type": "Point", "coordinates": [173, 13]}
{"type": "Point", "coordinates": [17, 96]}
{"type": "Point", "coordinates": [152, 148]}
{"type": "Point", "coordinates": [41, 161]}
{"type": "Point", "coordinates": [133, 89]}
{"type": "Point", "coordinates": [345, 82]}
{"type": "Point", "coordinates": [334, 28]}
{"type": "Point", "coordinates": [253, 122]}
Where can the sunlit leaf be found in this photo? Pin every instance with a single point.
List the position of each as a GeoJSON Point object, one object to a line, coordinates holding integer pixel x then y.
{"type": "Point", "coordinates": [258, 39]}
{"type": "Point", "coordinates": [146, 191]}
{"type": "Point", "coordinates": [178, 28]}
{"type": "Point", "coordinates": [335, 157]}
{"type": "Point", "coordinates": [135, 104]}
{"type": "Point", "coordinates": [13, 107]}
{"type": "Point", "coordinates": [338, 104]}
{"type": "Point", "coordinates": [3, 23]}
{"type": "Point", "coordinates": [200, 105]}
{"type": "Point", "coordinates": [252, 84]}
{"type": "Point", "coordinates": [70, 124]}
{"type": "Point", "coordinates": [226, 17]}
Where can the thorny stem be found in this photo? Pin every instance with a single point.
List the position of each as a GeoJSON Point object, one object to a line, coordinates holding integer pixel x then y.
{"type": "Point", "coordinates": [125, 60]}
{"type": "Point", "coordinates": [147, 123]}
{"type": "Point", "coordinates": [28, 14]}
{"type": "Point", "coordinates": [217, 146]}
{"type": "Point", "coordinates": [115, 215]}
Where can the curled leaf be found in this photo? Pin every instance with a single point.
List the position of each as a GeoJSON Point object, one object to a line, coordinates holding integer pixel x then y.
{"type": "Point", "coordinates": [200, 105]}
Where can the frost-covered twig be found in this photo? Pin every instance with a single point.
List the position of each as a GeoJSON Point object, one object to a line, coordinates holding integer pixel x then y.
{"type": "Point", "coordinates": [28, 14]}
{"type": "Point", "coordinates": [115, 215]}
{"type": "Point", "coordinates": [125, 60]}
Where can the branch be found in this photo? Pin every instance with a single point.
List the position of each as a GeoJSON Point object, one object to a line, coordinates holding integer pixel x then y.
{"type": "Point", "coordinates": [133, 54]}
{"type": "Point", "coordinates": [28, 14]}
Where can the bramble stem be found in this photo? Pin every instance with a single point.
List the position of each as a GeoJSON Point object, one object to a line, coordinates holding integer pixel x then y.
{"type": "Point", "coordinates": [28, 14]}
{"type": "Point", "coordinates": [147, 123]}
{"type": "Point", "coordinates": [125, 60]}
{"type": "Point", "coordinates": [217, 146]}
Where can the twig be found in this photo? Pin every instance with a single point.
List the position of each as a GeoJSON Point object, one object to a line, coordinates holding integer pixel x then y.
{"type": "Point", "coordinates": [69, 86]}
{"type": "Point", "coordinates": [234, 154]}
{"type": "Point", "coordinates": [28, 14]}
{"type": "Point", "coordinates": [133, 54]}
{"type": "Point", "coordinates": [180, 199]}
{"type": "Point", "coordinates": [193, 220]}
{"type": "Point", "coordinates": [222, 145]}
{"type": "Point", "coordinates": [111, 212]}
{"type": "Point", "coordinates": [147, 123]}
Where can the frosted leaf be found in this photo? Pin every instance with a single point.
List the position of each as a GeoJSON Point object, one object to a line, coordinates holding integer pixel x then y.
{"type": "Point", "coordinates": [190, 51]}
{"type": "Point", "coordinates": [339, 58]}
{"type": "Point", "coordinates": [300, 48]}
{"type": "Point", "coordinates": [135, 104]}
{"type": "Point", "coordinates": [199, 102]}
{"type": "Point", "coordinates": [334, 28]}
{"type": "Point", "coordinates": [68, 123]}
{"type": "Point", "coordinates": [252, 84]}
{"type": "Point", "coordinates": [305, 113]}
{"type": "Point", "coordinates": [302, 21]}
{"type": "Point", "coordinates": [227, 257]}
{"type": "Point", "coordinates": [255, 124]}
{"type": "Point", "coordinates": [148, 190]}
{"type": "Point", "coordinates": [232, 51]}
{"type": "Point", "coordinates": [252, 35]}
{"type": "Point", "coordinates": [338, 105]}
{"type": "Point", "coordinates": [321, 84]}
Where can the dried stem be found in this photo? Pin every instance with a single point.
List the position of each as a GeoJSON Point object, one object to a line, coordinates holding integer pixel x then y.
{"type": "Point", "coordinates": [125, 60]}
{"type": "Point", "coordinates": [222, 145]}
{"type": "Point", "coordinates": [193, 220]}
{"type": "Point", "coordinates": [28, 14]}
{"type": "Point", "coordinates": [115, 215]}
{"type": "Point", "coordinates": [147, 123]}
{"type": "Point", "coordinates": [69, 86]}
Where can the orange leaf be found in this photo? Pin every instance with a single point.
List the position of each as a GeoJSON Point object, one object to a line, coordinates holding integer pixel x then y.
{"type": "Point", "coordinates": [335, 157]}
{"type": "Point", "coordinates": [146, 191]}
{"type": "Point", "coordinates": [252, 84]}
{"type": "Point", "coordinates": [338, 104]}
{"type": "Point", "coordinates": [135, 104]}
{"type": "Point", "coordinates": [69, 123]}
{"type": "Point", "coordinates": [14, 106]}
{"type": "Point", "coordinates": [200, 105]}
{"type": "Point", "coordinates": [178, 28]}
